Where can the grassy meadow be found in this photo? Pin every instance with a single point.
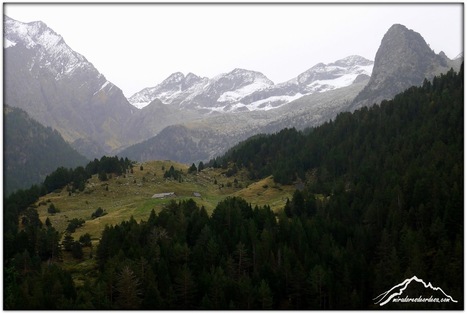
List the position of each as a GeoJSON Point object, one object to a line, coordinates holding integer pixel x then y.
{"type": "Point", "coordinates": [131, 195]}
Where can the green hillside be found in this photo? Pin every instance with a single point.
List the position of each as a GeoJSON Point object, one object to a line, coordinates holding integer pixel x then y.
{"type": "Point", "coordinates": [32, 151]}
{"type": "Point", "coordinates": [132, 194]}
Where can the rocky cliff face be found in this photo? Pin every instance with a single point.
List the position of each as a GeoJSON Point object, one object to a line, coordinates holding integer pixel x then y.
{"type": "Point", "coordinates": [59, 88]}
{"type": "Point", "coordinates": [403, 60]}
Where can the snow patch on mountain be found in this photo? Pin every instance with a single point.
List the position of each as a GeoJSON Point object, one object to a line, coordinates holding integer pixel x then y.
{"type": "Point", "coordinates": [49, 45]}
{"type": "Point", "coordinates": [273, 102]}
{"type": "Point", "coordinates": [176, 87]}
{"type": "Point", "coordinates": [107, 83]}
{"type": "Point", "coordinates": [8, 43]}
{"type": "Point", "coordinates": [238, 94]}
{"type": "Point", "coordinates": [345, 78]}
{"type": "Point", "coordinates": [245, 90]}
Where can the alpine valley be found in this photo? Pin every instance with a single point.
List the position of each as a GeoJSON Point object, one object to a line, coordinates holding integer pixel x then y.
{"type": "Point", "coordinates": [318, 193]}
{"type": "Point", "coordinates": [187, 118]}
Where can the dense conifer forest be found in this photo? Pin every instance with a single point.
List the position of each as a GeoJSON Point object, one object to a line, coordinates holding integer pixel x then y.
{"type": "Point", "coordinates": [32, 150]}
{"type": "Point", "coordinates": [380, 200]}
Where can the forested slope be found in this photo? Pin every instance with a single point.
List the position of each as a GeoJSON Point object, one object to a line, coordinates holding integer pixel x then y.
{"type": "Point", "coordinates": [382, 202]}
{"type": "Point", "coordinates": [32, 151]}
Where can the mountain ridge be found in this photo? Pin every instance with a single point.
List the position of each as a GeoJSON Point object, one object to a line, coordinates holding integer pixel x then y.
{"type": "Point", "coordinates": [93, 114]}
{"type": "Point", "coordinates": [59, 88]}
{"type": "Point", "coordinates": [247, 90]}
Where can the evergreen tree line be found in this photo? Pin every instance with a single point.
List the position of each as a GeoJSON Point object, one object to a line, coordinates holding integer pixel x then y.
{"type": "Point", "coordinates": [386, 179]}
{"type": "Point", "coordinates": [20, 202]}
{"type": "Point", "coordinates": [77, 177]}
{"type": "Point", "coordinates": [28, 243]}
{"type": "Point", "coordinates": [238, 258]}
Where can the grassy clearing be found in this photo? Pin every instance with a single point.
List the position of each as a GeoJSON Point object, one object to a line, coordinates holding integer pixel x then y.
{"type": "Point", "coordinates": [131, 195]}
{"type": "Point", "coordinates": [267, 192]}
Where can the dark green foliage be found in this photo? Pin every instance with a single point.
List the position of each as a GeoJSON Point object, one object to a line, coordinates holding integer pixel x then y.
{"type": "Point", "coordinates": [85, 240]}
{"type": "Point", "coordinates": [52, 209]}
{"type": "Point", "coordinates": [382, 202]}
{"type": "Point", "coordinates": [77, 177]}
{"type": "Point", "coordinates": [103, 176]}
{"type": "Point", "coordinates": [109, 165]}
{"type": "Point", "coordinates": [31, 151]}
{"type": "Point", "coordinates": [77, 250]}
{"type": "Point", "coordinates": [201, 166]}
{"type": "Point", "coordinates": [28, 285]}
{"type": "Point", "coordinates": [98, 213]}
{"type": "Point", "coordinates": [193, 169]}
{"type": "Point", "coordinates": [74, 224]}
{"type": "Point", "coordinates": [174, 174]}
{"type": "Point", "coordinates": [67, 242]}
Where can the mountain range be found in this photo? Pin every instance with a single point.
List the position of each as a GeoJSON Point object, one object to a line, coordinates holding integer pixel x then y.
{"type": "Point", "coordinates": [244, 90]}
{"type": "Point", "coordinates": [191, 118]}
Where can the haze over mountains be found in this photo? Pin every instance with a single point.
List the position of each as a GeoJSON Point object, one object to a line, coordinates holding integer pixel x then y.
{"type": "Point", "coordinates": [189, 118]}
{"type": "Point", "coordinates": [244, 90]}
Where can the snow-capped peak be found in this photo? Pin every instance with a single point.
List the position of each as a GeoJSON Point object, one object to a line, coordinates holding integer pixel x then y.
{"type": "Point", "coordinates": [174, 78]}
{"type": "Point", "coordinates": [238, 84]}
{"type": "Point", "coordinates": [36, 35]}
{"type": "Point", "coordinates": [351, 61]}
{"type": "Point", "coordinates": [341, 73]}
{"type": "Point", "coordinates": [173, 87]}
{"type": "Point", "coordinates": [242, 89]}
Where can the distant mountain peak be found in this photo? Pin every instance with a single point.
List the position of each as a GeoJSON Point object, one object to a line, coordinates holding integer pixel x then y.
{"type": "Point", "coordinates": [174, 86]}
{"type": "Point", "coordinates": [37, 35]}
{"type": "Point", "coordinates": [247, 90]}
{"type": "Point", "coordinates": [353, 61]}
{"type": "Point", "coordinates": [341, 73]}
{"type": "Point", "coordinates": [403, 60]}
{"type": "Point", "coordinates": [176, 77]}
{"type": "Point", "coordinates": [64, 90]}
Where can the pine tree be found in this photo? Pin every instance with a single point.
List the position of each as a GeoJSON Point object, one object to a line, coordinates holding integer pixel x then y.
{"type": "Point", "coordinates": [128, 290]}
{"type": "Point", "coordinates": [265, 296]}
{"type": "Point", "coordinates": [184, 288]}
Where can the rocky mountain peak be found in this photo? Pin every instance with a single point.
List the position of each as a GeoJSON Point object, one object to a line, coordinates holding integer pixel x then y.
{"type": "Point", "coordinates": [245, 76]}
{"type": "Point", "coordinates": [403, 60]}
{"type": "Point", "coordinates": [58, 87]}
{"type": "Point", "coordinates": [192, 78]}
{"type": "Point", "coordinates": [176, 77]}
{"type": "Point", "coordinates": [351, 61]}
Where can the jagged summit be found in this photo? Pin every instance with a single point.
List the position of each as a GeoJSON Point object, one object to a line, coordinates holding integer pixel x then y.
{"type": "Point", "coordinates": [353, 60]}
{"type": "Point", "coordinates": [246, 90]}
{"type": "Point", "coordinates": [59, 87]}
{"type": "Point", "coordinates": [403, 60]}
{"type": "Point", "coordinates": [37, 35]}
{"type": "Point", "coordinates": [172, 88]}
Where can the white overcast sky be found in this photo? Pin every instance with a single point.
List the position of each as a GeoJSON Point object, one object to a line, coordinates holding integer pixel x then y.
{"type": "Point", "coordinates": [139, 45]}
